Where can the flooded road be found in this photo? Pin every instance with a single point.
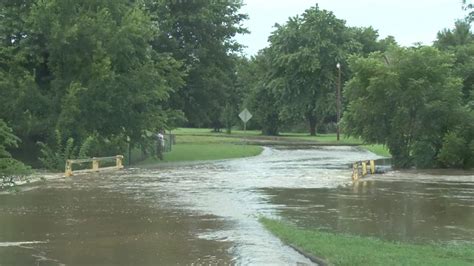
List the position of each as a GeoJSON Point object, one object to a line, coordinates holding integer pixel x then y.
{"type": "Point", "coordinates": [207, 213]}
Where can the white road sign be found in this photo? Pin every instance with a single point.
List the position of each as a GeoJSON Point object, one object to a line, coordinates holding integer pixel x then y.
{"type": "Point", "coordinates": [245, 115]}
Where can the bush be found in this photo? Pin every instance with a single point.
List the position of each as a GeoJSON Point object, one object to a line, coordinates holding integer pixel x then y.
{"type": "Point", "coordinates": [54, 157]}
{"type": "Point", "coordinates": [470, 161]}
{"type": "Point", "coordinates": [8, 165]}
{"type": "Point", "coordinates": [454, 151]}
{"type": "Point", "coordinates": [424, 154]}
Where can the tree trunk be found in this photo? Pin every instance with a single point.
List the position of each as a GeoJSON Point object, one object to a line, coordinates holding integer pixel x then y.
{"type": "Point", "coordinates": [312, 125]}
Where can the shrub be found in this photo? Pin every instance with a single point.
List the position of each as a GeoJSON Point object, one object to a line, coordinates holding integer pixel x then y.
{"type": "Point", "coordinates": [8, 165]}
{"type": "Point", "coordinates": [454, 150]}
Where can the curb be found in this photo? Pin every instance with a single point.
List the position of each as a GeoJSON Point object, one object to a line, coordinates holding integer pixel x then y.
{"type": "Point", "coordinates": [312, 258]}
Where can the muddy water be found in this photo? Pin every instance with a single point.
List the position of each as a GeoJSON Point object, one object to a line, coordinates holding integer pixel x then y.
{"type": "Point", "coordinates": [207, 213]}
{"type": "Point", "coordinates": [400, 206]}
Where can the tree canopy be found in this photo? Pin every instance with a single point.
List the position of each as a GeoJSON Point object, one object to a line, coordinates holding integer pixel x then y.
{"type": "Point", "coordinates": [302, 58]}
{"type": "Point", "coordinates": [115, 69]}
{"type": "Point", "coordinates": [201, 34]}
{"type": "Point", "coordinates": [408, 99]}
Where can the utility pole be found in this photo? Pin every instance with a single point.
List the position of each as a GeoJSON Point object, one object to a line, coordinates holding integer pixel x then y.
{"type": "Point", "coordinates": [338, 100]}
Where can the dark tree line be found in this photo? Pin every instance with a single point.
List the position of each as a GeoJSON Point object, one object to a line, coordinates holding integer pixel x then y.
{"type": "Point", "coordinates": [113, 72]}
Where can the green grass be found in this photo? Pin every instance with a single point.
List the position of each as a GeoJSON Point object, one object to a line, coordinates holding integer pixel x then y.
{"type": "Point", "coordinates": [206, 151]}
{"type": "Point", "coordinates": [378, 149]}
{"type": "Point", "coordinates": [338, 249]}
{"type": "Point", "coordinates": [323, 138]}
{"type": "Point", "coordinates": [202, 139]}
{"type": "Point", "coordinates": [205, 135]}
{"type": "Point", "coordinates": [196, 144]}
{"type": "Point", "coordinates": [238, 134]}
{"type": "Point", "coordinates": [209, 132]}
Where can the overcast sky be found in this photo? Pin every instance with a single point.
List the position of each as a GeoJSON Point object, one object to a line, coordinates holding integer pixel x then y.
{"type": "Point", "coordinates": [410, 21]}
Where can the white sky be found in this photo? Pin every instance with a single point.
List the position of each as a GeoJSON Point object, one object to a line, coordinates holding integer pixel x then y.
{"type": "Point", "coordinates": [409, 21]}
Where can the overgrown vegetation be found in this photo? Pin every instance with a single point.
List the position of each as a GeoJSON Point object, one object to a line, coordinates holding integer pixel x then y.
{"type": "Point", "coordinates": [428, 111]}
{"type": "Point", "coordinates": [8, 165]}
{"type": "Point", "coordinates": [341, 249]}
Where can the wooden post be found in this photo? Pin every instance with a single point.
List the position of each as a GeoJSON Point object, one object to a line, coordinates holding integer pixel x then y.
{"type": "Point", "coordinates": [118, 161]}
{"type": "Point", "coordinates": [68, 171]}
{"type": "Point", "coordinates": [364, 168]}
{"type": "Point", "coordinates": [372, 166]}
{"type": "Point", "coordinates": [95, 165]}
{"type": "Point", "coordinates": [355, 171]}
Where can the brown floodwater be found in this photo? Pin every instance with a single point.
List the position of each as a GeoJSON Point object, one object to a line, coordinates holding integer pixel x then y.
{"type": "Point", "coordinates": [207, 212]}
{"type": "Point", "coordinates": [399, 206]}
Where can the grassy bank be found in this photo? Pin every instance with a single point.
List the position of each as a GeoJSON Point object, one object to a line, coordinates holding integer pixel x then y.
{"type": "Point", "coordinates": [337, 249]}
{"type": "Point", "coordinates": [195, 144]}
{"type": "Point", "coordinates": [378, 149]}
{"type": "Point", "coordinates": [206, 151]}
{"type": "Point", "coordinates": [203, 135]}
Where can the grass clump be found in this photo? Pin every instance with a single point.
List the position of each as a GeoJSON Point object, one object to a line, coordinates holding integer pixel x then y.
{"type": "Point", "coordinates": [340, 249]}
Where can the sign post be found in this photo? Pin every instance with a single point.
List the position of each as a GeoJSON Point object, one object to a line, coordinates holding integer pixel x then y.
{"type": "Point", "coordinates": [245, 116]}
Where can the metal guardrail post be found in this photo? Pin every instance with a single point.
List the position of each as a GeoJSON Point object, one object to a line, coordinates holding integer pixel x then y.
{"type": "Point", "coordinates": [359, 169]}
{"type": "Point", "coordinates": [68, 171]}
{"type": "Point", "coordinates": [119, 161]}
{"type": "Point", "coordinates": [364, 169]}
{"type": "Point", "coordinates": [355, 171]}
{"type": "Point", "coordinates": [95, 164]}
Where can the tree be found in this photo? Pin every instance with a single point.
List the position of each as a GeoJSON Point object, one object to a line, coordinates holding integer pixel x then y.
{"type": "Point", "coordinates": [262, 99]}
{"type": "Point", "coordinates": [459, 36]}
{"type": "Point", "coordinates": [468, 6]}
{"type": "Point", "coordinates": [304, 53]}
{"type": "Point", "coordinates": [200, 34]}
{"type": "Point", "coordinates": [408, 102]}
{"type": "Point", "coordinates": [367, 38]}
{"type": "Point", "coordinates": [22, 104]}
{"type": "Point", "coordinates": [460, 42]}
{"type": "Point", "coordinates": [86, 68]}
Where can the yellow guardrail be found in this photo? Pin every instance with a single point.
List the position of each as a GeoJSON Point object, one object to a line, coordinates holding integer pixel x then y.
{"type": "Point", "coordinates": [362, 168]}
{"type": "Point", "coordinates": [95, 165]}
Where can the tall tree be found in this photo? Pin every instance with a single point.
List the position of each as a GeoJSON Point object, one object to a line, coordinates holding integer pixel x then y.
{"type": "Point", "coordinates": [22, 105]}
{"type": "Point", "coordinates": [459, 36]}
{"type": "Point", "coordinates": [460, 42]}
{"type": "Point", "coordinates": [201, 34]}
{"type": "Point", "coordinates": [262, 99]}
{"type": "Point", "coordinates": [304, 53]}
{"type": "Point", "coordinates": [407, 99]}
{"type": "Point", "coordinates": [84, 67]}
